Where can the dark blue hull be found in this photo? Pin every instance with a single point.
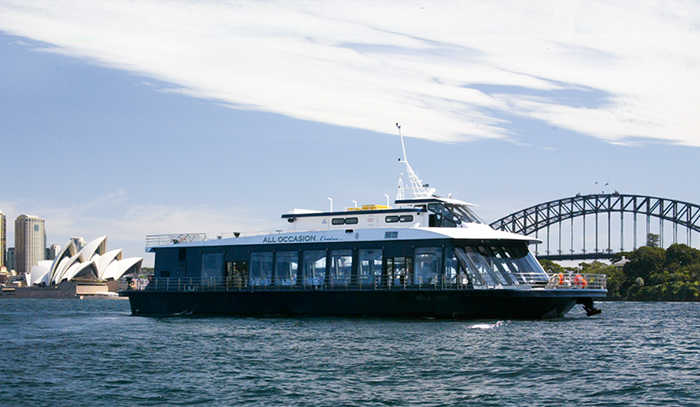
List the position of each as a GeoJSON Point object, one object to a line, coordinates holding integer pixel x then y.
{"type": "Point", "coordinates": [442, 304]}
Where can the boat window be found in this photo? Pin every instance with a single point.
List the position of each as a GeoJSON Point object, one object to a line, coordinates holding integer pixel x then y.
{"type": "Point", "coordinates": [286, 265]}
{"type": "Point", "coordinates": [345, 221]}
{"type": "Point", "coordinates": [406, 218]}
{"type": "Point", "coordinates": [496, 265]}
{"type": "Point", "coordinates": [517, 269]}
{"type": "Point", "coordinates": [341, 267]}
{"type": "Point", "coordinates": [473, 274]}
{"type": "Point", "coordinates": [529, 268]}
{"type": "Point", "coordinates": [370, 266]}
{"type": "Point", "coordinates": [236, 274]}
{"type": "Point", "coordinates": [451, 215]}
{"type": "Point", "coordinates": [391, 219]}
{"type": "Point", "coordinates": [399, 270]}
{"type": "Point", "coordinates": [464, 213]}
{"type": "Point", "coordinates": [314, 267]}
{"type": "Point", "coordinates": [482, 267]}
{"type": "Point", "coordinates": [427, 265]}
{"type": "Point", "coordinates": [261, 268]}
{"type": "Point", "coordinates": [441, 217]}
{"type": "Point", "coordinates": [500, 263]}
{"type": "Point", "coordinates": [450, 267]}
{"type": "Point", "coordinates": [212, 267]}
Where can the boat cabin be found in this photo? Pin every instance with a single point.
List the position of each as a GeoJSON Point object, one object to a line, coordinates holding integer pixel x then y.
{"type": "Point", "coordinates": [417, 212]}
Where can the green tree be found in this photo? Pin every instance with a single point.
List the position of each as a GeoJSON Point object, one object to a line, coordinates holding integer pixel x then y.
{"type": "Point", "coordinates": [652, 240]}
{"type": "Point", "coordinates": [615, 276]}
{"type": "Point", "coordinates": [681, 255]}
{"type": "Point", "coordinates": [551, 267]}
{"type": "Point", "coordinates": [644, 262]}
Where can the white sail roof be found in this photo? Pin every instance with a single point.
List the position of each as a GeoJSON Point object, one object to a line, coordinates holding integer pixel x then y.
{"type": "Point", "coordinates": [93, 262]}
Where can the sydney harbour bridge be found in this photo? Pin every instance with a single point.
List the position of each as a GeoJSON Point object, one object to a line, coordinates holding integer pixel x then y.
{"type": "Point", "coordinates": [599, 225]}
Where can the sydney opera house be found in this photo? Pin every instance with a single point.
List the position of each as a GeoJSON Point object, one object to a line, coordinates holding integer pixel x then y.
{"type": "Point", "coordinates": [91, 264]}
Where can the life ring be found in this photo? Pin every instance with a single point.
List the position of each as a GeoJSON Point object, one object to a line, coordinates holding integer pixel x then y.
{"type": "Point", "coordinates": [555, 279]}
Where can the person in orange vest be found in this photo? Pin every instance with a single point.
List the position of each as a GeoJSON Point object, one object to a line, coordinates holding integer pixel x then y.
{"type": "Point", "coordinates": [580, 282]}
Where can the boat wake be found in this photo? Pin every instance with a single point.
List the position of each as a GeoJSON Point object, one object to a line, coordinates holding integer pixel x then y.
{"type": "Point", "coordinates": [490, 326]}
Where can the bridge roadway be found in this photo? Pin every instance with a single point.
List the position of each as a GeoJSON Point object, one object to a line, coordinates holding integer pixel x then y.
{"type": "Point", "coordinates": [541, 217]}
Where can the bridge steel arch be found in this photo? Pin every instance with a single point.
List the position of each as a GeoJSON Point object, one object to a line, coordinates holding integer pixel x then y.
{"type": "Point", "coordinates": [543, 216]}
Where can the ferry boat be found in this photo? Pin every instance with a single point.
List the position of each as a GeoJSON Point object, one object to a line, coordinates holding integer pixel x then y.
{"type": "Point", "coordinates": [426, 257]}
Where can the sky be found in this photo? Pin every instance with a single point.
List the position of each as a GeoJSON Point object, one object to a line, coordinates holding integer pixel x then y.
{"type": "Point", "coordinates": [129, 119]}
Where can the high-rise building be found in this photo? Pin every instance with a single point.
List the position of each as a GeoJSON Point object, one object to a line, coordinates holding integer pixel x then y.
{"type": "Point", "coordinates": [10, 264]}
{"type": "Point", "coordinates": [52, 251]}
{"type": "Point", "coordinates": [30, 242]}
{"type": "Point", "coordinates": [3, 238]}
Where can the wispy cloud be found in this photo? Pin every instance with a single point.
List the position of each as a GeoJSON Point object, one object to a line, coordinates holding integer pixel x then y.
{"type": "Point", "coordinates": [430, 65]}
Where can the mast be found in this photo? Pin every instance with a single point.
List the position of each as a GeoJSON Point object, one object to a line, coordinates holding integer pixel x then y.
{"type": "Point", "coordinates": [420, 190]}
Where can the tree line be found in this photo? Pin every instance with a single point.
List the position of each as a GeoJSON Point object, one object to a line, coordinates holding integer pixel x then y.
{"type": "Point", "coordinates": [650, 273]}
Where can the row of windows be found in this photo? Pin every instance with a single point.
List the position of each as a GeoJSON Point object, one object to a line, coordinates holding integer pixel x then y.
{"type": "Point", "coordinates": [486, 266]}
{"type": "Point", "coordinates": [388, 219]}
{"type": "Point", "coordinates": [344, 221]}
{"type": "Point", "coordinates": [402, 218]}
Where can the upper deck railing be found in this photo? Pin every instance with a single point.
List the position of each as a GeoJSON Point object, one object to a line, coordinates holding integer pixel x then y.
{"type": "Point", "coordinates": [526, 281]}
{"type": "Point", "coordinates": [175, 238]}
{"type": "Point", "coordinates": [160, 240]}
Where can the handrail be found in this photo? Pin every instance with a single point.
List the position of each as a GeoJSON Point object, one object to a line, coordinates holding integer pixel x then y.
{"type": "Point", "coordinates": [524, 281]}
{"type": "Point", "coordinates": [576, 280]}
{"type": "Point", "coordinates": [174, 238]}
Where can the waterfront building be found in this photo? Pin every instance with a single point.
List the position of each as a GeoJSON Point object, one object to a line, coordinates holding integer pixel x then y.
{"type": "Point", "coordinates": [52, 251]}
{"type": "Point", "coordinates": [91, 263]}
{"type": "Point", "coordinates": [10, 258]}
{"type": "Point", "coordinates": [30, 242]}
{"type": "Point", "coordinates": [3, 238]}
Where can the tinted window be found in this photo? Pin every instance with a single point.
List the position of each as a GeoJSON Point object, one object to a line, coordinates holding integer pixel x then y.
{"type": "Point", "coordinates": [427, 265]}
{"type": "Point", "coordinates": [261, 268]}
{"type": "Point", "coordinates": [391, 219]}
{"type": "Point", "coordinates": [286, 264]}
{"type": "Point", "coordinates": [314, 267]}
{"type": "Point", "coordinates": [370, 266]}
{"type": "Point", "coordinates": [341, 267]}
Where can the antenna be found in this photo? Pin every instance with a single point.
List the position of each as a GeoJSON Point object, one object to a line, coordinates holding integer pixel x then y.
{"type": "Point", "coordinates": [403, 147]}
{"type": "Point", "coordinates": [419, 190]}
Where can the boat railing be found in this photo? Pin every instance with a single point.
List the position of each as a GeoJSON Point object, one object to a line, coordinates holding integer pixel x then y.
{"type": "Point", "coordinates": [577, 280]}
{"type": "Point", "coordinates": [524, 281]}
{"type": "Point", "coordinates": [175, 238]}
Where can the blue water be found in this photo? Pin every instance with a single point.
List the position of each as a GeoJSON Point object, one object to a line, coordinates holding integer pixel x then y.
{"type": "Point", "coordinates": [94, 353]}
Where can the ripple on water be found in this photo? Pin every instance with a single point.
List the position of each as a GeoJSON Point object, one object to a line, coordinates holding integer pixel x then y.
{"type": "Point", "coordinates": [94, 353]}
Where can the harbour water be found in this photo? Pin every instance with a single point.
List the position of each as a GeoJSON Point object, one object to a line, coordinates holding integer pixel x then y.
{"type": "Point", "coordinates": [94, 353]}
